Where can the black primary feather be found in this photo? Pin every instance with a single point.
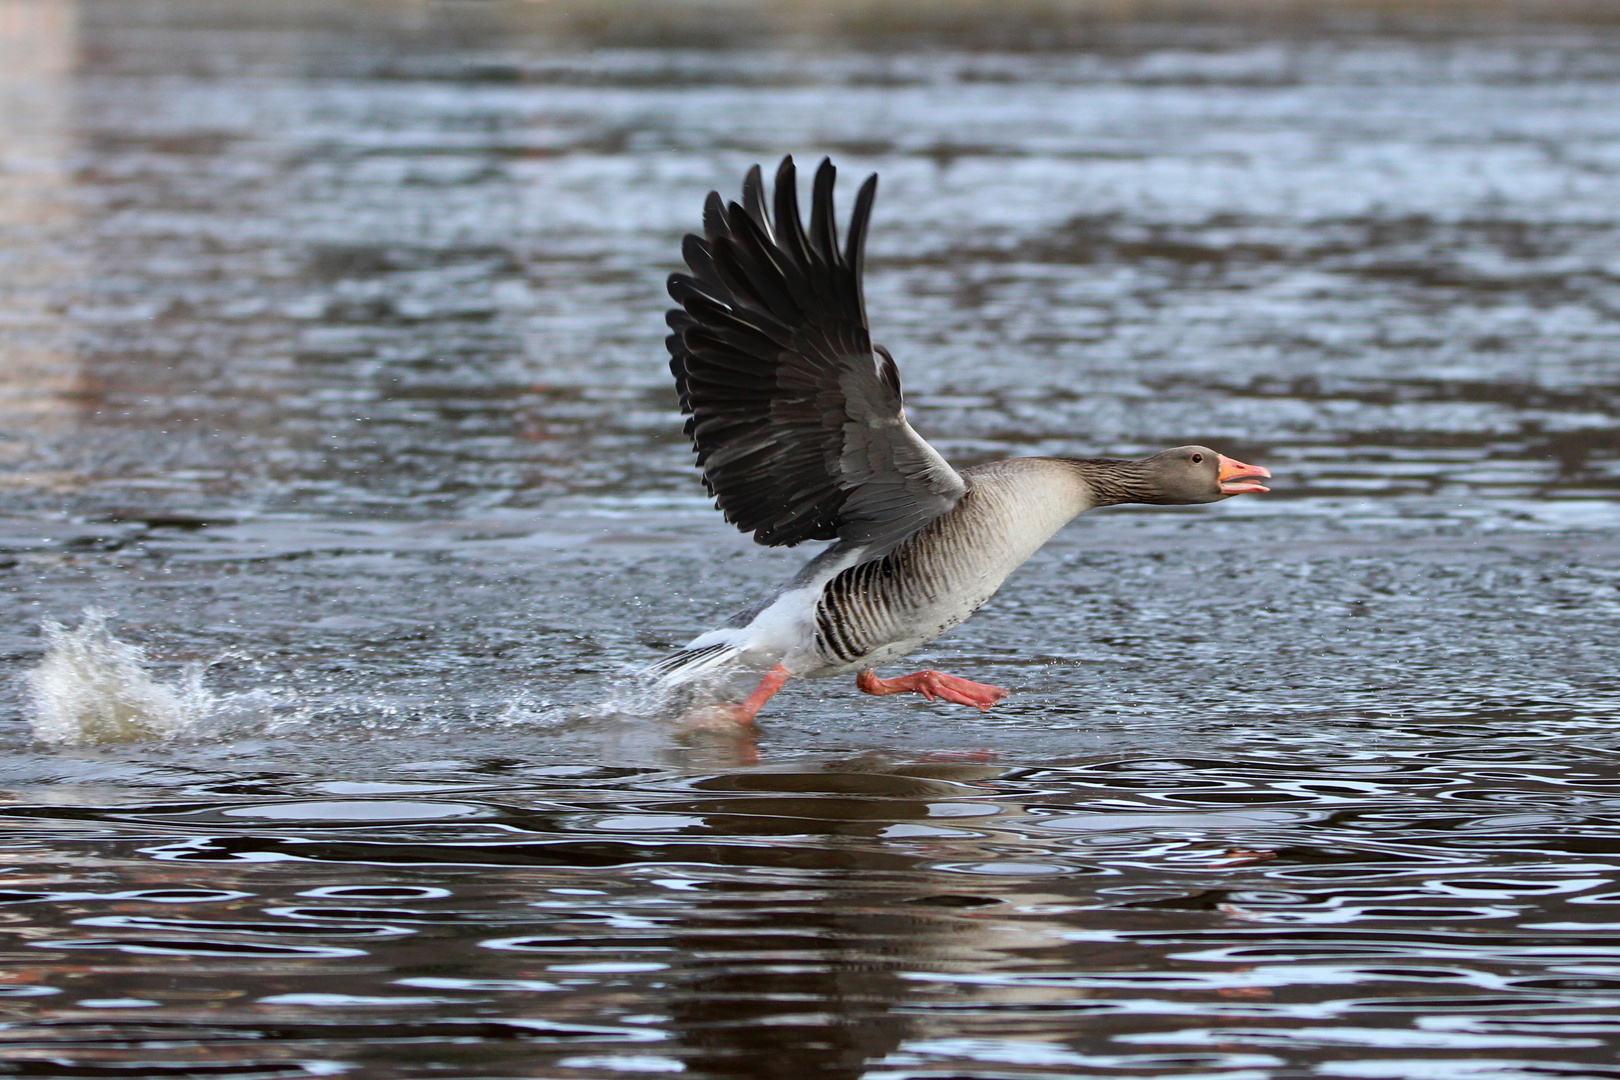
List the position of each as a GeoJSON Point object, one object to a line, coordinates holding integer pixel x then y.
{"type": "Point", "coordinates": [798, 424]}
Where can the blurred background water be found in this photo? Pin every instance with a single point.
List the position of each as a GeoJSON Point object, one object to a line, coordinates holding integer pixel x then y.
{"type": "Point", "coordinates": [331, 341]}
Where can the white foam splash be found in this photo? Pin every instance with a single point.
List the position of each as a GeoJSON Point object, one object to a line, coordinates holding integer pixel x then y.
{"type": "Point", "coordinates": [91, 688]}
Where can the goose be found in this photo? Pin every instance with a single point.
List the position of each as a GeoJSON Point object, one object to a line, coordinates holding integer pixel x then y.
{"type": "Point", "coordinates": [799, 427]}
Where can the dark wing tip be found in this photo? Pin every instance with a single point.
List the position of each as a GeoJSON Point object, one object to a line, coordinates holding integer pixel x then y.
{"type": "Point", "coordinates": [823, 223]}
{"type": "Point", "coordinates": [753, 191]}
{"type": "Point", "coordinates": [714, 216]}
{"type": "Point", "coordinates": [855, 253]}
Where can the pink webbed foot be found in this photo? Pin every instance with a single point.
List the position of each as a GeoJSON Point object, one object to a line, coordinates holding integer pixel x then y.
{"type": "Point", "coordinates": [723, 716]}
{"type": "Point", "coordinates": [736, 714]}
{"type": "Point", "coordinates": [931, 685]}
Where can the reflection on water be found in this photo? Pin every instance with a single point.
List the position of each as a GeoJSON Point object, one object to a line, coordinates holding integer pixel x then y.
{"type": "Point", "coordinates": [1377, 913]}
{"type": "Point", "coordinates": [331, 352]}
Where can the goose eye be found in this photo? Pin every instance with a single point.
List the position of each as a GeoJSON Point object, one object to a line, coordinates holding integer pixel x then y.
{"type": "Point", "coordinates": [1197, 458]}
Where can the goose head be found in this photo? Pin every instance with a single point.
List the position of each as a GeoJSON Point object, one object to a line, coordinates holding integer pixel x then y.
{"type": "Point", "coordinates": [1197, 474]}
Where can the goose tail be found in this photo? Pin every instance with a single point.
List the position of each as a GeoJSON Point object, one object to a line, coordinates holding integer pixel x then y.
{"type": "Point", "coordinates": [695, 663]}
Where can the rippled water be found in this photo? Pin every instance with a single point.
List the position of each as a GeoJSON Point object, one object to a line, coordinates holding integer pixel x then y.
{"type": "Point", "coordinates": [334, 379]}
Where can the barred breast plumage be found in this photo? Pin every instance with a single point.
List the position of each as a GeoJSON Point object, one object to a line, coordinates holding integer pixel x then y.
{"type": "Point", "coordinates": [881, 609]}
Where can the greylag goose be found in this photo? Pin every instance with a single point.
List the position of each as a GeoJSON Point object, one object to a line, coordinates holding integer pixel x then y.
{"type": "Point", "coordinates": [801, 434]}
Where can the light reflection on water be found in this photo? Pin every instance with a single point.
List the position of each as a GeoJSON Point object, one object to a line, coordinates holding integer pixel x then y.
{"type": "Point", "coordinates": [333, 370]}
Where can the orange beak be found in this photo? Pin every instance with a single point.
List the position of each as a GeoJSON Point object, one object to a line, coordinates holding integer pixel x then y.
{"type": "Point", "coordinates": [1236, 477]}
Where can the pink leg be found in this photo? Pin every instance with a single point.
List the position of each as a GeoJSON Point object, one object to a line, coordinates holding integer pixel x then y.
{"type": "Point", "coordinates": [931, 685]}
{"type": "Point", "coordinates": [739, 713]}
{"type": "Point", "coordinates": [770, 684]}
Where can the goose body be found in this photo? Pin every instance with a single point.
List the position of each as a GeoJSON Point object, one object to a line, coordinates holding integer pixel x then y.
{"type": "Point", "coordinates": [800, 430]}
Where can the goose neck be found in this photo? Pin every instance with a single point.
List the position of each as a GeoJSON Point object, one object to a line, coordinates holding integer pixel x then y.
{"type": "Point", "coordinates": [1114, 481]}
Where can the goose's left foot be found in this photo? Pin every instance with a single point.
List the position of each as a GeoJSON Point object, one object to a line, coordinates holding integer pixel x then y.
{"type": "Point", "coordinates": [931, 685]}
{"type": "Point", "coordinates": [737, 713]}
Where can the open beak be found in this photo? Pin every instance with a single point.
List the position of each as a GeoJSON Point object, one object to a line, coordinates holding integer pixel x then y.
{"type": "Point", "coordinates": [1240, 479]}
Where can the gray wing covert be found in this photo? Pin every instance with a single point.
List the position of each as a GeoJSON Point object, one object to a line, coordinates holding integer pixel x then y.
{"type": "Point", "coordinates": [798, 423]}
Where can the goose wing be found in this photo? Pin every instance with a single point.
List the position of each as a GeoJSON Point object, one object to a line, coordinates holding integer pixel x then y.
{"type": "Point", "coordinates": [798, 422]}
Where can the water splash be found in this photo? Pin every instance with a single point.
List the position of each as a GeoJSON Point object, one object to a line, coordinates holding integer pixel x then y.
{"type": "Point", "coordinates": [92, 688]}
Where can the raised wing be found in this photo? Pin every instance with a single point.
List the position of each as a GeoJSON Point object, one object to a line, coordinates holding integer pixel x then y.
{"type": "Point", "coordinates": [798, 424]}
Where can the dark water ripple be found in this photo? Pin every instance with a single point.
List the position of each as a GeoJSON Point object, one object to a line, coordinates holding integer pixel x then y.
{"type": "Point", "coordinates": [1365, 912]}
{"type": "Point", "coordinates": [331, 350]}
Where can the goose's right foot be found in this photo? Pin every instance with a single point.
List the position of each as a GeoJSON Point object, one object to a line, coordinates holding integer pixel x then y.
{"type": "Point", "coordinates": [931, 685]}
{"type": "Point", "coordinates": [736, 714]}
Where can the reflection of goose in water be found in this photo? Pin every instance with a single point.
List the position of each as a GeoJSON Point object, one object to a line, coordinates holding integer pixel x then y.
{"type": "Point", "coordinates": [799, 428]}
{"type": "Point", "coordinates": [831, 886]}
